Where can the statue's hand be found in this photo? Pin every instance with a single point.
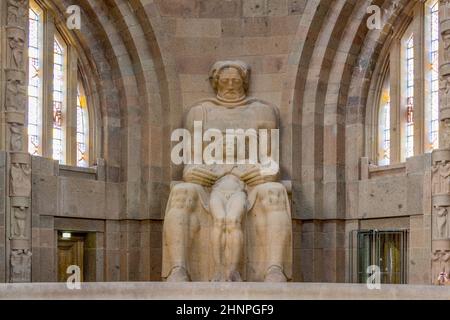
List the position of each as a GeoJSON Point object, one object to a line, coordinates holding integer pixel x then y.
{"type": "Point", "coordinates": [255, 177]}
{"type": "Point", "coordinates": [201, 176]}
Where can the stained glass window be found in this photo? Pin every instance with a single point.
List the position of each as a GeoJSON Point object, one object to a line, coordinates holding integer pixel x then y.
{"type": "Point", "coordinates": [82, 127]}
{"type": "Point", "coordinates": [410, 97]}
{"type": "Point", "coordinates": [415, 89]}
{"type": "Point", "coordinates": [385, 126]}
{"type": "Point", "coordinates": [34, 82]}
{"type": "Point", "coordinates": [58, 99]}
{"type": "Point", "coordinates": [434, 76]}
{"type": "Point", "coordinates": [51, 91]}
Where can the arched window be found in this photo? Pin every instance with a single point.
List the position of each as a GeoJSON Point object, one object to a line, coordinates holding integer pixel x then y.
{"type": "Point", "coordinates": [408, 109]}
{"type": "Point", "coordinates": [59, 97]}
{"type": "Point", "coordinates": [408, 94]}
{"type": "Point", "coordinates": [58, 122]}
{"type": "Point", "coordinates": [384, 116]}
{"type": "Point", "coordinates": [432, 75]}
{"type": "Point", "coordinates": [35, 81]}
{"type": "Point", "coordinates": [82, 127]}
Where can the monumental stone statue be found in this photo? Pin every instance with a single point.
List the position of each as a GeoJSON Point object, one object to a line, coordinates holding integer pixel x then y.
{"type": "Point", "coordinates": [229, 221]}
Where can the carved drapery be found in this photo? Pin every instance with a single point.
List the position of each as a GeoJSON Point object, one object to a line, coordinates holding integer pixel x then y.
{"type": "Point", "coordinates": [14, 69]}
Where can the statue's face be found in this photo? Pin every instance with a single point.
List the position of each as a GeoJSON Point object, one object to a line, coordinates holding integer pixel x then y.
{"type": "Point", "coordinates": [230, 86]}
{"type": "Point", "coordinates": [446, 37]}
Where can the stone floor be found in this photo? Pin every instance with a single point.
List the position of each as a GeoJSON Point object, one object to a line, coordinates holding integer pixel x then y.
{"type": "Point", "coordinates": [225, 291]}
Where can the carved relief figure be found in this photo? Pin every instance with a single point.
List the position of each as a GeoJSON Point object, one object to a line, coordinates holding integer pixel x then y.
{"type": "Point", "coordinates": [16, 45]}
{"type": "Point", "coordinates": [15, 95]}
{"type": "Point", "coordinates": [20, 180]}
{"type": "Point", "coordinates": [20, 265]}
{"type": "Point", "coordinates": [440, 179]}
{"type": "Point", "coordinates": [16, 137]}
{"type": "Point", "coordinates": [13, 12]}
{"type": "Point", "coordinates": [446, 133]}
{"type": "Point", "coordinates": [225, 195]}
{"type": "Point", "coordinates": [17, 12]}
{"type": "Point", "coordinates": [19, 222]}
{"type": "Point", "coordinates": [446, 40]}
{"type": "Point", "coordinates": [15, 100]}
{"type": "Point", "coordinates": [441, 222]}
{"type": "Point", "coordinates": [440, 267]}
{"type": "Point", "coordinates": [444, 87]}
{"type": "Point", "coordinates": [435, 179]}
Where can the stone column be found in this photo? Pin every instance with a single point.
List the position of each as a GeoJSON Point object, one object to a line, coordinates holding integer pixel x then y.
{"type": "Point", "coordinates": [440, 241]}
{"type": "Point", "coordinates": [14, 26]}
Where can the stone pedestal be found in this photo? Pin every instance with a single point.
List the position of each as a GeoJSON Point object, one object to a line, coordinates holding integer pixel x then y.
{"type": "Point", "coordinates": [221, 291]}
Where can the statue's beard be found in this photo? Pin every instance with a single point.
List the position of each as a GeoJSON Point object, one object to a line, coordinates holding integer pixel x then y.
{"type": "Point", "coordinates": [231, 96]}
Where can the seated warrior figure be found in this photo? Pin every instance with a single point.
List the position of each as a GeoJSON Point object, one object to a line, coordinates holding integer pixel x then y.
{"type": "Point", "coordinates": [227, 192]}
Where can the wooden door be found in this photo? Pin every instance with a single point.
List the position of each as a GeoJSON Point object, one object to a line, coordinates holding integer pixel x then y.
{"type": "Point", "coordinates": [70, 252]}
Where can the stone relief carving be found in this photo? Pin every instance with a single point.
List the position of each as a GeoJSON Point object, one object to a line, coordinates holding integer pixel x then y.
{"type": "Point", "coordinates": [444, 76]}
{"type": "Point", "coordinates": [17, 12]}
{"type": "Point", "coordinates": [444, 87]}
{"type": "Point", "coordinates": [446, 40]}
{"type": "Point", "coordinates": [441, 215]}
{"type": "Point", "coordinates": [18, 222]}
{"type": "Point", "coordinates": [16, 42]}
{"type": "Point", "coordinates": [441, 166]}
{"type": "Point", "coordinates": [15, 92]}
{"type": "Point", "coordinates": [440, 177]}
{"type": "Point", "coordinates": [20, 185]}
{"type": "Point", "coordinates": [16, 137]}
{"type": "Point", "coordinates": [445, 136]}
{"type": "Point", "coordinates": [440, 267]}
{"type": "Point", "coordinates": [20, 262]}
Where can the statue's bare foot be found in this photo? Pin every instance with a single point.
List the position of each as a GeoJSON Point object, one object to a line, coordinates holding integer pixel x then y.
{"type": "Point", "coordinates": [275, 274]}
{"type": "Point", "coordinates": [235, 276]}
{"type": "Point", "coordinates": [178, 274]}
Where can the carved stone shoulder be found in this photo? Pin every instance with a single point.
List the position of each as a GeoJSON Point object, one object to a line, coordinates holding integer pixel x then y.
{"type": "Point", "coordinates": [195, 113]}
{"type": "Point", "coordinates": [265, 110]}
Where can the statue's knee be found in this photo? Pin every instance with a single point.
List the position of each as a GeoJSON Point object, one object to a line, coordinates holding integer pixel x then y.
{"type": "Point", "coordinates": [273, 196]}
{"type": "Point", "coordinates": [184, 197]}
{"type": "Point", "coordinates": [176, 216]}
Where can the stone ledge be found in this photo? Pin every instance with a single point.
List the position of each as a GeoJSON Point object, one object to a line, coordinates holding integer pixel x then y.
{"type": "Point", "coordinates": [220, 291]}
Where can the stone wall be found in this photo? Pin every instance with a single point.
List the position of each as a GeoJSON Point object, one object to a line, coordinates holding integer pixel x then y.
{"type": "Point", "coordinates": [398, 200]}
{"type": "Point", "coordinates": [261, 32]}
{"type": "Point", "coordinates": [71, 199]}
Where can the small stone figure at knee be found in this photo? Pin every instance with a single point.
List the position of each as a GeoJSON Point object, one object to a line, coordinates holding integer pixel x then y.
{"type": "Point", "coordinates": [227, 206]}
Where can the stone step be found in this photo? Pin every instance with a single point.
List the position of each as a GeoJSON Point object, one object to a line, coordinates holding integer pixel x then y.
{"type": "Point", "coordinates": [220, 291]}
